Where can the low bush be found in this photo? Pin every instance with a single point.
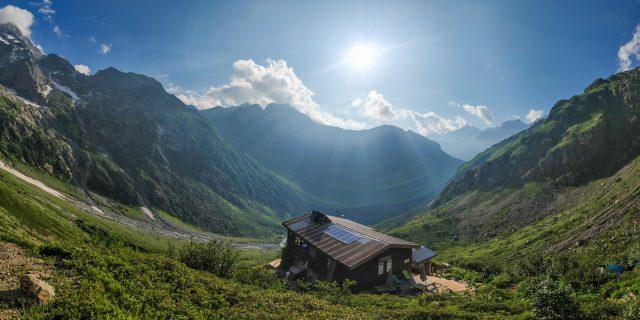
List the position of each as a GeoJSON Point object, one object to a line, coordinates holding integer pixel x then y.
{"type": "Point", "coordinates": [259, 277]}
{"type": "Point", "coordinates": [217, 257]}
{"type": "Point", "coordinates": [550, 299]}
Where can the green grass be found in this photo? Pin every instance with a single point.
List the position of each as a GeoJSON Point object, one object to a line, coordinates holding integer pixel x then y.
{"type": "Point", "coordinates": [165, 215]}
{"type": "Point", "coordinates": [604, 205]}
{"type": "Point", "coordinates": [107, 276]}
{"type": "Point", "coordinates": [48, 180]}
{"type": "Point", "coordinates": [575, 133]}
{"type": "Point", "coordinates": [107, 271]}
{"type": "Point", "coordinates": [258, 257]}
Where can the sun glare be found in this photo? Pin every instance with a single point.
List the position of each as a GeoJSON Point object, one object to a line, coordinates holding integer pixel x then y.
{"type": "Point", "coordinates": [361, 56]}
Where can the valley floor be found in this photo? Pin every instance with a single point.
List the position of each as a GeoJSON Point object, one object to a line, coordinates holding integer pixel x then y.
{"type": "Point", "coordinates": [101, 269]}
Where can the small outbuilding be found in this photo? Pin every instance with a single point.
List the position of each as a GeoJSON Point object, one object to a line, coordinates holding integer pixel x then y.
{"type": "Point", "coordinates": [421, 261]}
{"type": "Point", "coordinates": [335, 249]}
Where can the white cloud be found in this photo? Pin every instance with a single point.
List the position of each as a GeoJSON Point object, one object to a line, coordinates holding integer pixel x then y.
{"type": "Point", "coordinates": [253, 83]}
{"type": "Point", "coordinates": [105, 48]}
{"type": "Point", "coordinates": [430, 123]}
{"type": "Point", "coordinates": [534, 115]}
{"type": "Point", "coordinates": [629, 49]}
{"type": "Point", "coordinates": [481, 112]}
{"type": "Point", "coordinates": [21, 18]}
{"type": "Point", "coordinates": [83, 69]}
{"type": "Point", "coordinates": [92, 39]}
{"type": "Point", "coordinates": [375, 106]}
{"type": "Point", "coordinates": [45, 8]}
{"type": "Point", "coordinates": [58, 32]}
{"type": "Point", "coordinates": [357, 103]}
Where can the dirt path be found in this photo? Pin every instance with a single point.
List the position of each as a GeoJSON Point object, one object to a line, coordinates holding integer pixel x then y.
{"type": "Point", "coordinates": [157, 226]}
{"type": "Point", "coordinates": [443, 284]}
{"type": "Point", "coordinates": [15, 261]}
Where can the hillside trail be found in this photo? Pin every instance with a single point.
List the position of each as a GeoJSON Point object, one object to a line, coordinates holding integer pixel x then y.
{"type": "Point", "coordinates": [15, 261]}
{"type": "Point", "coordinates": [155, 225]}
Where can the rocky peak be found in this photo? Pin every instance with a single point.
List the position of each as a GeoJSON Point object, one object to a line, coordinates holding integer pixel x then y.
{"type": "Point", "coordinates": [58, 65]}
{"type": "Point", "coordinates": [127, 81]}
{"type": "Point", "coordinates": [14, 46]}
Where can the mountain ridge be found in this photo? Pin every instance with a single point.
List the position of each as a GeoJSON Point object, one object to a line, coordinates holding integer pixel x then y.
{"type": "Point", "coordinates": [380, 169]}
{"type": "Point", "coordinates": [121, 135]}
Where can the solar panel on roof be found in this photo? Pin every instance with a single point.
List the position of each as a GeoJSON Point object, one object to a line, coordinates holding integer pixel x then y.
{"type": "Point", "coordinates": [341, 234]}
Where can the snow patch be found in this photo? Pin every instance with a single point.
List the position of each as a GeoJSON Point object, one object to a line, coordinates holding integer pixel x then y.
{"type": "Point", "coordinates": [30, 180]}
{"type": "Point", "coordinates": [27, 102]}
{"type": "Point", "coordinates": [148, 213]}
{"type": "Point", "coordinates": [46, 91]}
{"type": "Point", "coordinates": [3, 40]}
{"type": "Point", "coordinates": [97, 209]}
{"type": "Point", "coordinates": [66, 90]}
{"type": "Point", "coordinates": [10, 37]}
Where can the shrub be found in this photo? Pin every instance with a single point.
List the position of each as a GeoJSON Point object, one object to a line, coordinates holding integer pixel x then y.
{"type": "Point", "coordinates": [459, 273]}
{"type": "Point", "coordinates": [632, 312]}
{"type": "Point", "coordinates": [502, 280]}
{"type": "Point", "coordinates": [217, 257]}
{"type": "Point", "coordinates": [331, 291]}
{"type": "Point", "coordinates": [259, 277]}
{"type": "Point", "coordinates": [285, 258]}
{"type": "Point", "coordinates": [551, 299]}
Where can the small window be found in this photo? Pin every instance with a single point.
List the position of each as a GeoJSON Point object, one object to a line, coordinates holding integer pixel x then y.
{"type": "Point", "coordinates": [384, 263]}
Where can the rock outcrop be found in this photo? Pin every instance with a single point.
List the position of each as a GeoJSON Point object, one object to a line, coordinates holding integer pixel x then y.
{"type": "Point", "coordinates": [32, 286]}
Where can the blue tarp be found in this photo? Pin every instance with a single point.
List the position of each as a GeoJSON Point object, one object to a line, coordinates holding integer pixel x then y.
{"type": "Point", "coordinates": [615, 268]}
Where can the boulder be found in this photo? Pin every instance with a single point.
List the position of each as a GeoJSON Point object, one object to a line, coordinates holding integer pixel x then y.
{"type": "Point", "coordinates": [32, 286]}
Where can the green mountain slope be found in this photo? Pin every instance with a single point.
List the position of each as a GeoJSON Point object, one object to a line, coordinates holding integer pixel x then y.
{"type": "Point", "coordinates": [122, 136]}
{"type": "Point", "coordinates": [369, 174]}
{"type": "Point", "coordinates": [569, 183]}
{"type": "Point", "coordinates": [589, 136]}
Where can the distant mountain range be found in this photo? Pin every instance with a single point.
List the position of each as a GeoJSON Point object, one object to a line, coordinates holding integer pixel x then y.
{"type": "Point", "coordinates": [369, 175]}
{"type": "Point", "coordinates": [466, 142]}
{"type": "Point", "coordinates": [122, 136]}
{"type": "Point", "coordinates": [237, 171]}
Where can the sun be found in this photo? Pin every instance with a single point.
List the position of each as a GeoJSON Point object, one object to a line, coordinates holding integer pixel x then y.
{"type": "Point", "coordinates": [361, 56]}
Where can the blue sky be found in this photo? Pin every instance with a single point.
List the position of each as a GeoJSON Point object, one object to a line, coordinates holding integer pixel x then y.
{"type": "Point", "coordinates": [435, 65]}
